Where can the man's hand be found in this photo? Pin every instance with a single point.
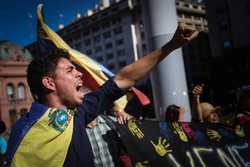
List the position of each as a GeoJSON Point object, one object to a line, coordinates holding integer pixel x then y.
{"type": "Point", "coordinates": [196, 107]}
{"type": "Point", "coordinates": [122, 116]}
{"type": "Point", "coordinates": [183, 35]}
{"type": "Point", "coordinates": [198, 90]}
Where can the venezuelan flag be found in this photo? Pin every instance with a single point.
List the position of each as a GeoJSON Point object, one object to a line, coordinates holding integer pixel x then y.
{"type": "Point", "coordinates": [94, 74]}
{"type": "Point", "coordinates": [24, 152]}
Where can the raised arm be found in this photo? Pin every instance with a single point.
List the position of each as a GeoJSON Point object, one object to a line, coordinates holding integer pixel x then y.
{"type": "Point", "coordinates": [131, 73]}
{"type": "Point", "coordinates": [196, 108]}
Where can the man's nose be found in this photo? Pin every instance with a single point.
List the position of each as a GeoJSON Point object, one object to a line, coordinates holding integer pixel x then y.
{"type": "Point", "coordinates": [78, 74]}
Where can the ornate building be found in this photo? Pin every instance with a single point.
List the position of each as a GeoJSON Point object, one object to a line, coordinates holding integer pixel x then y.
{"type": "Point", "coordinates": [15, 97]}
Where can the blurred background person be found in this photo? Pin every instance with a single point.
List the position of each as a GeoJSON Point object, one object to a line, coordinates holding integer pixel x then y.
{"type": "Point", "coordinates": [243, 113]}
{"type": "Point", "coordinates": [174, 113]}
{"type": "Point", "coordinates": [203, 111]}
{"type": "Point", "coordinates": [3, 142]}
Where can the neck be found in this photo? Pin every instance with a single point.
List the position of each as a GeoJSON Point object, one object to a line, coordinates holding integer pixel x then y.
{"type": "Point", "coordinates": [54, 102]}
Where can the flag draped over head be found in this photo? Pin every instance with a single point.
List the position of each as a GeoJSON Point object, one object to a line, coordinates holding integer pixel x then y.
{"type": "Point", "coordinates": [94, 74]}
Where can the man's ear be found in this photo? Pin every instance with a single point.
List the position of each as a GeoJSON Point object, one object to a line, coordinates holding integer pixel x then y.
{"type": "Point", "coordinates": [48, 83]}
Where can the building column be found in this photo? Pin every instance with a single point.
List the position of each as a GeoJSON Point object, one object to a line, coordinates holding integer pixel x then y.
{"type": "Point", "coordinates": [168, 79]}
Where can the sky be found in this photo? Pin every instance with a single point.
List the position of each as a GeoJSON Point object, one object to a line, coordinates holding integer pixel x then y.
{"type": "Point", "coordinates": [18, 17]}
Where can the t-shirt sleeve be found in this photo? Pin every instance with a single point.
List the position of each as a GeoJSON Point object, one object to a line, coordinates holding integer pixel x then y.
{"type": "Point", "coordinates": [98, 101]}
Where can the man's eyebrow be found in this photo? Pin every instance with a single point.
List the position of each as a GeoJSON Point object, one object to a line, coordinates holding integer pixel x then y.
{"type": "Point", "coordinates": [70, 67]}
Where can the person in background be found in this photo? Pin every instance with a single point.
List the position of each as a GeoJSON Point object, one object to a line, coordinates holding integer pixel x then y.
{"type": "Point", "coordinates": [174, 113]}
{"type": "Point", "coordinates": [243, 114]}
{"type": "Point", "coordinates": [3, 143]}
{"type": "Point", "coordinates": [104, 138]}
{"type": "Point", "coordinates": [105, 142]}
{"type": "Point", "coordinates": [203, 111]}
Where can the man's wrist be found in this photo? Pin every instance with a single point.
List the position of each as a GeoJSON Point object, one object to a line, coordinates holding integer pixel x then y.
{"type": "Point", "coordinates": [168, 47]}
{"type": "Point", "coordinates": [196, 96]}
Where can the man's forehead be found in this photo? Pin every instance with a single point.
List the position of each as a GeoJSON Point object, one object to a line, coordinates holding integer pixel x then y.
{"type": "Point", "coordinates": [64, 63]}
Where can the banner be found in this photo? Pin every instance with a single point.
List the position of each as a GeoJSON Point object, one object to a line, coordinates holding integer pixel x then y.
{"type": "Point", "coordinates": [157, 144]}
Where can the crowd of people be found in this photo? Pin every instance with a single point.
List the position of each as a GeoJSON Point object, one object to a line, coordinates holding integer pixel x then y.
{"type": "Point", "coordinates": [65, 126]}
{"type": "Point", "coordinates": [68, 125]}
{"type": "Point", "coordinates": [206, 112]}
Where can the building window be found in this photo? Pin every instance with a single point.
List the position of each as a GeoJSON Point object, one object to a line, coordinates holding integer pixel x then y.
{"type": "Point", "coordinates": [117, 30]}
{"type": "Point", "coordinates": [106, 35]}
{"type": "Point", "coordinates": [13, 116]}
{"type": "Point", "coordinates": [87, 42]}
{"type": "Point", "coordinates": [248, 6]}
{"type": "Point", "coordinates": [110, 56]}
{"type": "Point", "coordinates": [23, 111]}
{"type": "Point", "coordinates": [105, 25]}
{"type": "Point", "coordinates": [97, 38]}
{"type": "Point", "coordinates": [108, 45]}
{"type": "Point", "coordinates": [141, 25]}
{"type": "Point", "coordinates": [142, 35]}
{"type": "Point", "coordinates": [115, 9]}
{"type": "Point", "coordinates": [78, 46]}
{"type": "Point", "coordinates": [104, 14]}
{"type": "Point", "coordinates": [144, 47]}
{"type": "Point", "coordinates": [85, 33]}
{"type": "Point", "coordinates": [223, 24]}
{"type": "Point", "coordinates": [227, 44]}
{"type": "Point", "coordinates": [69, 41]}
{"type": "Point", "coordinates": [21, 91]}
{"type": "Point", "coordinates": [10, 91]}
{"type": "Point", "coordinates": [122, 63]}
{"type": "Point", "coordinates": [95, 29]}
{"type": "Point", "coordinates": [94, 19]}
{"type": "Point", "coordinates": [195, 6]}
{"type": "Point", "coordinates": [119, 42]}
{"type": "Point", "coordinates": [100, 59]}
{"type": "Point", "coordinates": [6, 50]}
{"type": "Point", "coordinates": [88, 52]}
{"type": "Point", "coordinates": [116, 20]}
{"type": "Point", "coordinates": [121, 52]}
{"type": "Point", "coordinates": [98, 49]}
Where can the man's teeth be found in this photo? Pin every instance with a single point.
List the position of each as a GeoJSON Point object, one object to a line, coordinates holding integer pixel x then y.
{"type": "Point", "coordinates": [79, 86]}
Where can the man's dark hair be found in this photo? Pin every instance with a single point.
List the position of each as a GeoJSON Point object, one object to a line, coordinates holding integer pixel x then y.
{"type": "Point", "coordinates": [40, 67]}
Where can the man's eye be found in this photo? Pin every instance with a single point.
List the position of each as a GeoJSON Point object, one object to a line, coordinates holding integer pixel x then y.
{"type": "Point", "coordinates": [69, 69]}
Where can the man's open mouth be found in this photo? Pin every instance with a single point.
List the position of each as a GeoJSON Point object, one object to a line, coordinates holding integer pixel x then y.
{"type": "Point", "coordinates": [79, 87]}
